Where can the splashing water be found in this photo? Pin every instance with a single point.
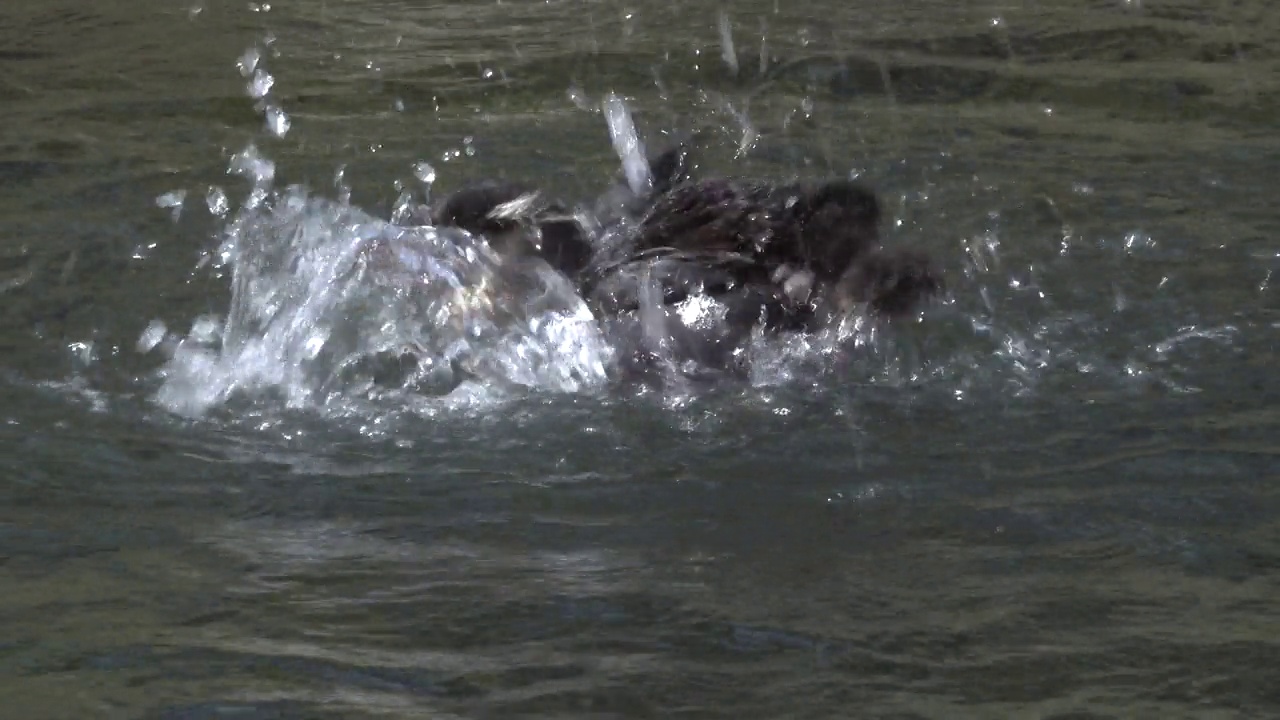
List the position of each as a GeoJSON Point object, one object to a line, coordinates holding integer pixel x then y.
{"type": "Point", "coordinates": [335, 310]}
{"type": "Point", "coordinates": [332, 307]}
{"type": "Point", "coordinates": [626, 142]}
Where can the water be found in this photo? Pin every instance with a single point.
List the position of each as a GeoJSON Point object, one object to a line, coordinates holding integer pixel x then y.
{"type": "Point", "coordinates": [1054, 496]}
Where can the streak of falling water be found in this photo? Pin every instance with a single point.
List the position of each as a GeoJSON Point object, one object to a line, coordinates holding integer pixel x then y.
{"type": "Point", "coordinates": [726, 43]}
{"type": "Point", "coordinates": [622, 132]}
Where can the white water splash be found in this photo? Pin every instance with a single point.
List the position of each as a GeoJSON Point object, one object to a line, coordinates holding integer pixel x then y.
{"type": "Point", "coordinates": [333, 308]}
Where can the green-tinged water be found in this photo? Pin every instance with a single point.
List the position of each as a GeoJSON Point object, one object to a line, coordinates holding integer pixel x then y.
{"type": "Point", "coordinates": [1056, 497]}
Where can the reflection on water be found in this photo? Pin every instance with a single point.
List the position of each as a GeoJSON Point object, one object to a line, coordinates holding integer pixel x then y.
{"type": "Point", "coordinates": [1054, 496]}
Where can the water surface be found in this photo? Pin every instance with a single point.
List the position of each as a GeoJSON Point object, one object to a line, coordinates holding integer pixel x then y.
{"type": "Point", "coordinates": [1053, 497]}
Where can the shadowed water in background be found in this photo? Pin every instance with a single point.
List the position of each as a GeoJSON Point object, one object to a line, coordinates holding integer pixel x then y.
{"type": "Point", "coordinates": [1053, 497]}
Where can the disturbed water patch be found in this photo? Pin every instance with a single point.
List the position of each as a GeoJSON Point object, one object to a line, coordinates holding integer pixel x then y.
{"type": "Point", "coordinates": [337, 311]}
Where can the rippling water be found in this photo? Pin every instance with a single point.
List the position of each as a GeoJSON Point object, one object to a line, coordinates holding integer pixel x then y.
{"type": "Point", "coordinates": [1054, 496]}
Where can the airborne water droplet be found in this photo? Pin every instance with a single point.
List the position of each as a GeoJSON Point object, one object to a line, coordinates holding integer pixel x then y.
{"type": "Point", "coordinates": [216, 200]}
{"type": "Point", "coordinates": [173, 201]}
{"type": "Point", "coordinates": [627, 144]}
{"type": "Point", "coordinates": [579, 98]}
{"type": "Point", "coordinates": [152, 336]}
{"type": "Point", "coordinates": [248, 62]}
{"type": "Point", "coordinates": [261, 84]}
{"type": "Point", "coordinates": [424, 172]}
{"type": "Point", "coordinates": [206, 330]}
{"type": "Point", "coordinates": [277, 121]}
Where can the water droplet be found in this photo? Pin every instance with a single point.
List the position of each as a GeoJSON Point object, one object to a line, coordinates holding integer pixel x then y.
{"type": "Point", "coordinates": [248, 62]}
{"type": "Point", "coordinates": [142, 252]}
{"type": "Point", "coordinates": [627, 144]}
{"type": "Point", "coordinates": [206, 330]}
{"type": "Point", "coordinates": [151, 336]}
{"type": "Point", "coordinates": [216, 200]}
{"type": "Point", "coordinates": [278, 122]}
{"type": "Point", "coordinates": [1136, 241]}
{"type": "Point", "coordinates": [83, 352]}
{"type": "Point", "coordinates": [261, 171]}
{"type": "Point", "coordinates": [261, 84]}
{"type": "Point", "coordinates": [173, 201]}
{"type": "Point", "coordinates": [579, 98]}
{"type": "Point", "coordinates": [424, 172]}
